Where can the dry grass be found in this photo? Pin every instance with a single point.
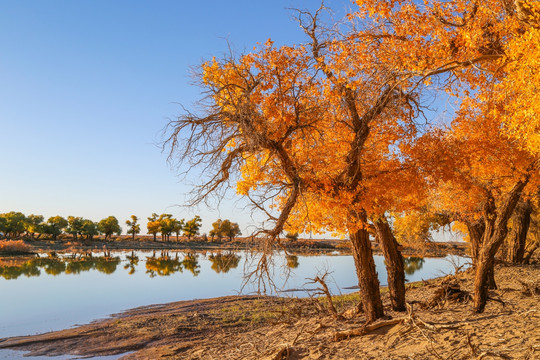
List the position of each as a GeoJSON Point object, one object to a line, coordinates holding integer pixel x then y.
{"type": "Point", "coordinates": [14, 247]}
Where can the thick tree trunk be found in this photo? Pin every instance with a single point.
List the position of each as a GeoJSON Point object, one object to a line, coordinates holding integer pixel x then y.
{"type": "Point", "coordinates": [394, 263]}
{"type": "Point", "coordinates": [367, 275]}
{"type": "Point", "coordinates": [517, 238]}
{"type": "Point", "coordinates": [476, 232]}
{"type": "Point", "coordinates": [491, 284]}
{"type": "Point", "coordinates": [529, 254]}
{"type": "Point", "coordinates": [481, 281]}
{"type": "Point", "coordinates": [496, 220]}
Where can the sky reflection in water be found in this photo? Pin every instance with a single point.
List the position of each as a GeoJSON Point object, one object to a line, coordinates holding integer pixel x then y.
{"type": "Point", "coordinates": [50, 293]}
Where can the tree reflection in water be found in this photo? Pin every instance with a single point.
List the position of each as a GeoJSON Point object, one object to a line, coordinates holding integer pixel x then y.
{"type": "Point", "coordinates": [292, 261]}
{"type": "Point", "coordinates": [413, 264]}
{"type": "Point", "coordinates": [191, 263]}
{"type": "Point", "coordinates": [133, 262]}
{"type": "Point", "coordinates": [163, 265]}
{"type": "Point", "coordinates": [54, 265]}
{"type": "Point", "coordinates": [106, 265]}
{"type": "Point", "coordinates": [222, 263]}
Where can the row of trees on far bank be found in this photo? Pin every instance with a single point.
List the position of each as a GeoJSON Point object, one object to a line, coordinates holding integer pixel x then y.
{"type": "Point", "coordinates": [15, 225]}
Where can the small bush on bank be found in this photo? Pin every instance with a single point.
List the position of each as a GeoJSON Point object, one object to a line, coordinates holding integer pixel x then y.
{"type": "Point", "coordinates": [14, 246]}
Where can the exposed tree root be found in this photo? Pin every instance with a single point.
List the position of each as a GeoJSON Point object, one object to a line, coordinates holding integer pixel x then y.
{"type": "Point", "coordinates": [530, 289]}
{"type": "Point", "coordinates": [449, 290]}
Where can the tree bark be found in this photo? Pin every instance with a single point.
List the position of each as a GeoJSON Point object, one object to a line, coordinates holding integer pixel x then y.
{"type": "Point", "coordinates": [496, 220]}
{"type": "Point", "coordinates": [476, 232]}
{"type": "Point", "coordinates": [530, 252]}
{"type": "Point", "coordinates": [394, 263]}
{"type": "Point", "coordinates": [367, 275]}
{"type": "Point", "coordinates": [517, 238]}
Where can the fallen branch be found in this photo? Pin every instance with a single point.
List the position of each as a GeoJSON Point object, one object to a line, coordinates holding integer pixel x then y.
{"type": "Point", "coordinates": [324, 290]}
{"type": "Point", "coordinates": [340, 335]}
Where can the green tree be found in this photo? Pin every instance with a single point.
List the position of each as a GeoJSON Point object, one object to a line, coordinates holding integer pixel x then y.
{"type": "Point", "coordinates": [55, 226]}
{"type": "Point", "coordinates": [192, 227]}
{"type": "Point", "coordinates": [109, 226]}
{"type": "Point", "coordinates": [2, 225]}
{"type": "Point", "coordinates": [133, 227]}
{"type": "Point", "coordinates": [34, 224]}
{"type": "Point", "coordinates": [178, 226]}
{"type": "Point", "coordinates": [153, 225]}
{"type": "Point", "coordinates": [166, 226]}
{"type": "Point", "coordinates": [222, 228]}
{"type": "Point", "coordinates": [74, 226]}
{"type": "Point", "coordinates": [13, 224]}
{"type": "Point", "coordinates": [89, 229]}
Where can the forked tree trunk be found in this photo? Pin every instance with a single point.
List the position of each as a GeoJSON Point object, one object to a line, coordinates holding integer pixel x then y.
{"type": "Point", "coordinates": [476, 232]}
{"type": "Point", "coordinates": [367, 275]}
{"type": "Point", "coordinates": [515, 247]}
{"type": "Point", "coordinates": [496, 220]}
{"type": "Point", "coordinates": [394, 263]}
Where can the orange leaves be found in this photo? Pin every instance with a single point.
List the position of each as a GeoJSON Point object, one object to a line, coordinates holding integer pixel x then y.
{"type": "Point", "coordinates": [338, 116]}
{"type": "Point", "coordinates": [518, 94]}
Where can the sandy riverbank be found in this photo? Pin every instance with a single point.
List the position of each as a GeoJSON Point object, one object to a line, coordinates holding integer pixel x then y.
{"type": "Point", "coordinates": [277, 328]}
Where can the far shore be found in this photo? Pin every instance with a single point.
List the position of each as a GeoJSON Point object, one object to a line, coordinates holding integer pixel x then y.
{"type": "Point", "coordinates": [300, 246]}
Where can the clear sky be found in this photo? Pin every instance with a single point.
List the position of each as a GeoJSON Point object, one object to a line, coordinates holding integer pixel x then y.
{"type": "Point", "coordinates": [86, 88]}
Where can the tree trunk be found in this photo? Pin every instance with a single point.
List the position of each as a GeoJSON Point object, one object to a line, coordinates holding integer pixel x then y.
{"type": "Point", "coordinates": [155, 236]}
{"type": "Point", "coordinates": [133, 236]}
{"type": "Point", "coordinates": [476, 232]}
{"type": "Point", "coordinates": [517, 238]}
{"type": "Point", "coordinates": [481, 278]}
{"type": "Point", "coordinates": [529, 254]}
{"type": "Point", "coordinates": [496, 220]}
{"type": "Point", "coordinates": [367, 275]}
{"type": "Point", "coordinates": [394, 263]}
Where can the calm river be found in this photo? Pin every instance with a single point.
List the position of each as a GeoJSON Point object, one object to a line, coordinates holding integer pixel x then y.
{"type": "Point", "coordinates": [44, 294]}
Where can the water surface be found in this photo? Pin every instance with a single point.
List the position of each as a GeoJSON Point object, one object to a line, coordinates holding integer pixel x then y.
{"type": "Point", "coordinates": [46, 294]}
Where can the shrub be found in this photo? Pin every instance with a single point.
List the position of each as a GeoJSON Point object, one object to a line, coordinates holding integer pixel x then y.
{"type": "Point", "coordinates": [14, 246]}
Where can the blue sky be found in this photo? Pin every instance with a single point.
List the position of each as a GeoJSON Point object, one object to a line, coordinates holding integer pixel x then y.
{"type": "Point", "coordinates": [86, 88]}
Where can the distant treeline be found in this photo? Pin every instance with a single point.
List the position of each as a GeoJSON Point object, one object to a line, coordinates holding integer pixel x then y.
{"type": "Point", "coordinates": [16, 225]}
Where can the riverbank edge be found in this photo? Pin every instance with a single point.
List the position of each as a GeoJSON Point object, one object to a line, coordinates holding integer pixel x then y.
{"type": "Point", "coordinates": [252, 327]}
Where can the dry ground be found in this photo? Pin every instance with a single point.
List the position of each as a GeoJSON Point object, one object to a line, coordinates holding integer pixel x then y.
{"type": "Point", "coordinates": [276, 328]}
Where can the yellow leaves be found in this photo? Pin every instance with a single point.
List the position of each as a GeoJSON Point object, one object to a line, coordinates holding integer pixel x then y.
{"type": "Point", "coordinates": [284, 96]}
{"type": "Point", "coordinates": [461, 227]}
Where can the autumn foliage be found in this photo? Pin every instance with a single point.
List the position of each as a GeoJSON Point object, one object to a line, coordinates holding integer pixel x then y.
{"type": "Point", "coordinates": [336, 135]}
